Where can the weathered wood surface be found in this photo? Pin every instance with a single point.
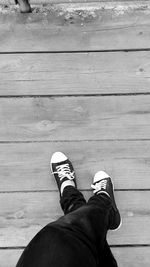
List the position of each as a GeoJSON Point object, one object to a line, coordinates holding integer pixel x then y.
{"type": "Point", "coordinates": [56, 29]}
{"type": "Point", "coordinates": [22, 215]}
{"type": "Point", "coordinates": [26, 166]}
{"type": "Point", "coordinates": [74, 73]}
{"type": "Point", "coordinates": [74, 118]}
{"type": "Point", "coordinates": [132, 257]}
{"type": "Point", "coordinates": [135, 257]}
{"type": "Point", "coordinates": [109, 123]}
{"type": "Point", "coordinates": [41, 2]}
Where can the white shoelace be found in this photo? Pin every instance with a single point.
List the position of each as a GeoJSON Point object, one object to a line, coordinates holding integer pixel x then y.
{"type": "Point", "coordinates": [101, 185]}
{"type": "Point", "coordinates": [64, 171]}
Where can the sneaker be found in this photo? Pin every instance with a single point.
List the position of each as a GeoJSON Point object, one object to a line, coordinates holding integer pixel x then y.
{"type": "Point", "coordinates": [102, 184]}
{"type": "Point", "coordinates": [62, 169]}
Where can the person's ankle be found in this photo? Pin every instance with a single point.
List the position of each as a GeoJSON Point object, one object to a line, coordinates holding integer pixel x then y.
{"type": "Point", "coordinates": [66, 184]}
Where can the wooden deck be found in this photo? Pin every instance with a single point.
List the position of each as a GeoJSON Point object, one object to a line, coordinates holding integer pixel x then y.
{"type": "Point", "coordinates": [75, 78]}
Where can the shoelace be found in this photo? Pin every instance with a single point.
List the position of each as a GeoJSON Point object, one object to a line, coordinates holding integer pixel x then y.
{"type": "Point", "coordinates": [64, 171]}
{"type": "Point", "coordinates": [99, 186]}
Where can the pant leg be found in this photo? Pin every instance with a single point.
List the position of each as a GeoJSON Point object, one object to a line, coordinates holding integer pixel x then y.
{"type": "Point", "coordinates": [71, 199]}
{"type": "Point", "coordinates": [93, 221]}
{"type": "Point", "coordinates": [55, 245]}
{"type": "Point", "coordinates": [76, 239]}
{"type": "Point", "coordinates": [106, 258]}
{"type": "Point", "coordinates": [89, 224]}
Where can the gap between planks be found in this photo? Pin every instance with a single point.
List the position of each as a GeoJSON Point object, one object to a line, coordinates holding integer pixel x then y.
{"type": "Point", "coordinates": [75, 95]}
{"type": "Point", "coordinates": [82, 190]}
{"type": "Point", "coordinates": [112, 246]}
{"type": "Point", "coordinates": [125, 50]}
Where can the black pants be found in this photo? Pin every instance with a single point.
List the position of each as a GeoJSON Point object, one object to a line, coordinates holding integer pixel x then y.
{"type": "Point", "coordinates": [77, 239]}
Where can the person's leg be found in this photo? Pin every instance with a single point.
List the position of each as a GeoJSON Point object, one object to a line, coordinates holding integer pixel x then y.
{"type": "Point", "coordinates": [107, 258]}
{"type": "Point", "coordinates": [92, 221]}
{"type": "Point", "coordinates": [70, 197]}
{"type": "Point", "coordinates": [104, 192]}
{"type": "Point", "coordinates": [101, 221]}
{"type": "Point", "coordinates": [61, 242]}
{"type": "Point", "coordinates": [54, 243]}
{"type": "Point", "coordinates": [89, 222]}
{"type": "Point", "coordinates": [75, 222]}
{"type": "Point", "coordinates": [76, 239]}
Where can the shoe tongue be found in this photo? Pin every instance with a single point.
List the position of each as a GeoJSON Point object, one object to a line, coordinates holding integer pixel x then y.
{"type": "Point", "coordinates": [100, 176]}
{"type": "Point", "coordinates": [98, 181]}
{"type": "Point", "coordinates": [62, 162]}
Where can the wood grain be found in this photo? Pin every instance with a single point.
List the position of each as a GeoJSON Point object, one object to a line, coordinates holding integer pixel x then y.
{"type": "Point", "coordinates": [59, 30]}
{"type": "Point", "coordinates": [79, 73]}
{"type": "Point", "coordinates": [135, 256]}
{"type": "Point", "coordinates": [95, 132]}
{"type": "Point", "coordinates": [26, 166]}
{"type": "Point", "coordinates": [74, 118]}
{"type": "Point", "coordinates": [22, 215]}
{"type": "Point", "coordinates": [46, 2]}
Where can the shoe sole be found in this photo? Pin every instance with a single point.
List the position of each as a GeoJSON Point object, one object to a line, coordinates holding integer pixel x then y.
{"type": "Point", "coordinates": [120, 216]}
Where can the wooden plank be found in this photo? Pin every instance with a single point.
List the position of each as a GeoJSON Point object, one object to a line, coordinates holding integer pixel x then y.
{"type": "Point", "coordinates": [9, 257]}
{"type": "Point", "coordinates": [26, 166]}
{"type": "Point", "coordinates": [22, 215]}
{"type": "Point", "coordinates": [61, 28]}
{"type": "Point", "coordinates": [74, 118]}
{"type": "Point", "coordinates": [79, 73]}
{"type": "Point", "coordinates": [134, 256]}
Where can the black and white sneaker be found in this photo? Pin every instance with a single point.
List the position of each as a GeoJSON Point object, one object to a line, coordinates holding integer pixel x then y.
{"type": "Point", "coordinates": [63, 170]}
{"type": "Point", "coordinates": [102, 184]}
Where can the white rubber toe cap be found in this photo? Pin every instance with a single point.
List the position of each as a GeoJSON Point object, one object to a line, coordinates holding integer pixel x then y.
{"type": "Point", "coordinates": [99, 176]}
{"type": "Point", "coordinates": [58, 157]}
